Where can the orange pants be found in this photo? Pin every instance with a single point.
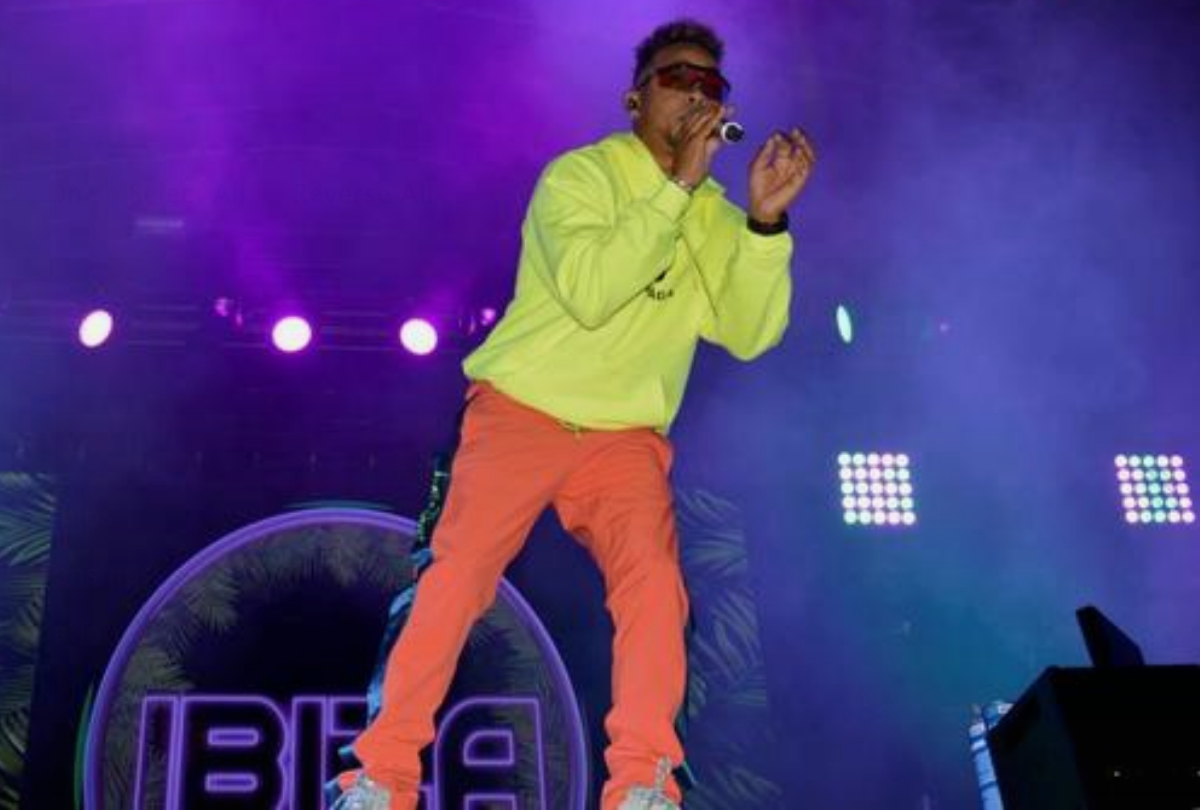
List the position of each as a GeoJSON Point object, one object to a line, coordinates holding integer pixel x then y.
{"type": "Point", "coordinates": [611, 492]}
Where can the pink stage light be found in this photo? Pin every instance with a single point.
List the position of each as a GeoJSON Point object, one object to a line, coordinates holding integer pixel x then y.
{"type": "Point", "coordinates": [95, 328]}
{"type": "Point", "coordinates": [418, 336]}
{"type": "Point", "coordinates": [291, 334]}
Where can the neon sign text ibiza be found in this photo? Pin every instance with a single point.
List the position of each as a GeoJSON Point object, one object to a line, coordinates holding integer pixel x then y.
{"type": "Point", "coordinates": [249, 751]}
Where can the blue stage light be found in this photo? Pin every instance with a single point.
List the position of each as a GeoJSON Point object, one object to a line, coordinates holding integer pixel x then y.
{"type": "Point", "coordinates": [1154, 489]}
{"type": "Point", "coordinates": [877, 489]}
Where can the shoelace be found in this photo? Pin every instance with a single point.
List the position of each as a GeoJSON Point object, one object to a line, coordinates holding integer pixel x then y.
{"type": "Point", "coordinates": [364, 794]}
{"type": "Point", "coordinates": [656, 797]}
{"type": "Point", "coordinates": [661, 771]}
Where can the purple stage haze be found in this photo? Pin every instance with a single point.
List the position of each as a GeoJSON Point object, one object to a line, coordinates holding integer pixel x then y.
{"type": "Point", "coordinates": [1006, 197]}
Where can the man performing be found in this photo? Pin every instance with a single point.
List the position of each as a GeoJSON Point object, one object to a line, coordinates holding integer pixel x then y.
{"type": "Point", "coordinates": [630, 255]}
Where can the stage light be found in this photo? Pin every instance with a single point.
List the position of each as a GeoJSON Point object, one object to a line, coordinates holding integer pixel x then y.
{"type": "Point", "coordinates": [845, 324]}
{"type": "Point", "coordinates": [291, 334]}
{"type": "Point", "coordinates": [877, 489]}
{"type": "Point", "coordinates": [418, 336]}
{"type": "Point", "coordinates": [229, 309]}
{"type": "Point", "coordinates": [1154, 489]}
{"type": "Point", "coordinates": [95, 328]}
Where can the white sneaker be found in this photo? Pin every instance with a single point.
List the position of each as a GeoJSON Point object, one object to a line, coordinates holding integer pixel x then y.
{"type": "Point", "coordinates": [364, 794]}
{"type": "Point", "coordinates": [651, 798]}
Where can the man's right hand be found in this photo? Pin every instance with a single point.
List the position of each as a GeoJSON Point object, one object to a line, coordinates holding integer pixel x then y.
{"type": "Point", "coordinates": [698, 142]}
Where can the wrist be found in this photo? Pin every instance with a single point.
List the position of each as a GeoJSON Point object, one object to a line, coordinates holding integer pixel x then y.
{"type": "Point", "coordinates": [684, 184]}
{"type": "Point", "coordinates": [769, 227]}
{"type": "Point", "coordinates": [766, 217]}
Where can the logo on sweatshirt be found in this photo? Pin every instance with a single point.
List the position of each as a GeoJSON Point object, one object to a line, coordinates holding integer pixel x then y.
{"type": "Point", "coordinates": [656, 291]}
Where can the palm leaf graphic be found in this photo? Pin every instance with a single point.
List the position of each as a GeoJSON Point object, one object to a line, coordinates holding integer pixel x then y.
{"type": "Point", "coordinates": [727, 710]}
{"type": "Point", "coordinates": [27, 506]}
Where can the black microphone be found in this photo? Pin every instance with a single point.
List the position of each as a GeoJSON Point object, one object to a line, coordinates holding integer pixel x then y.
{"type": "Point", "coordinates": [730, 131]}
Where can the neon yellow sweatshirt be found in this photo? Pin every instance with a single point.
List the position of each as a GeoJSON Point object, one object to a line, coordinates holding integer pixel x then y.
{"type": "Point", "coordinates": [621, 273]}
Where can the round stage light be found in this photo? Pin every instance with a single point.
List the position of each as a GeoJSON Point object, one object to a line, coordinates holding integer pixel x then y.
{"type": "Point", "coordinates": [845, 324]}
{"type": "Point", "coordinates": [291, 334]}
{"type": "Point", "coordinates": [418, 336]}
{"type": "Point", "coordinates": [95, 328]}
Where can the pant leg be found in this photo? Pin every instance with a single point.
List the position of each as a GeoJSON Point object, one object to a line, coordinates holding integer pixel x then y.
{"type": "Point", "coordinates": [618, 504]}
{"type": "Point", "coordinates": [507, 467]}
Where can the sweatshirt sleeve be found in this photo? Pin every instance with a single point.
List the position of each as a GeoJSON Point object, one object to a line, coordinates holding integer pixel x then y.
{"type": "Point", "coordinates": [594, 256]}
{"type": "Point", "coordinates": [749, 288]}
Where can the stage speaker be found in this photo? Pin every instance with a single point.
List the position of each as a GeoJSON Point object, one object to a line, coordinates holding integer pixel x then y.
{"type": "Point", "coordinates": [1120, 738]}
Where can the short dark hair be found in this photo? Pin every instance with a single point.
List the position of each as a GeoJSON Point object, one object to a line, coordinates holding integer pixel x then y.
{"type": "Point", "coordinates": [676, 32]}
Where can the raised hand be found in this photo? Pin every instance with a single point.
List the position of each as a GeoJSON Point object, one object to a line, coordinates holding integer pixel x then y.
{"type": "Point", "coordinates": [778, 173]}
{"type": "Point", "coordinates": [696, 143]}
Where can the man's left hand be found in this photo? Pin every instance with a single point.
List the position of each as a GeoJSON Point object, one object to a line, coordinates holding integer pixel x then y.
{"type": "Point", "coordinates": [778, 173]}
